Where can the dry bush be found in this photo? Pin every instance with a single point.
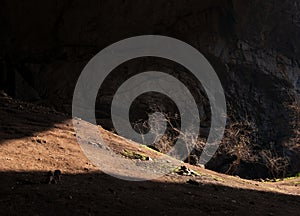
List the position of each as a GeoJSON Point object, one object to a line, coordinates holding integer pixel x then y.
{"type": "Point", "coordinates": [240, 141]}
{"type": "Point", "coordinates": [164, 142]}
{"type": "Point", "coordinates": [277, 165]}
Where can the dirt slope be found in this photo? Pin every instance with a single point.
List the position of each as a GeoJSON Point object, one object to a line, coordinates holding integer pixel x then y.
{"type": "Point", "coordinates": [34, 140]}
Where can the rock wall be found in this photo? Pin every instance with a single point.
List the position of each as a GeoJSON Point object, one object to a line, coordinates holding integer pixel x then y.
{"type": "Point", "coordinates": [253, 46]}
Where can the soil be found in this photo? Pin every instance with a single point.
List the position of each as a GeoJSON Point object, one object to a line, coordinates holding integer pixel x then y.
{"type": "Point", "coordinates": [35, 140]}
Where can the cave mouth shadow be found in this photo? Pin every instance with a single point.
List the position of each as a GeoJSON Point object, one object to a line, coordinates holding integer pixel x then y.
{"type": "Point", "coordinates": [98, 193]}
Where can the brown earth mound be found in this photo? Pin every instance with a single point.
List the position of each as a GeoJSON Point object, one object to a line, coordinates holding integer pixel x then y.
{"type": "Point", "coordinates": [36, 140]}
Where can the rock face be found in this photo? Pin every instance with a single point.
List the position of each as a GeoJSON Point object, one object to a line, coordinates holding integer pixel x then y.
{"type": "Point", "coordinates": [253, 46]}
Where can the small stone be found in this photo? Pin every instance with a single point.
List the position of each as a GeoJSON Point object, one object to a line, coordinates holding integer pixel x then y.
{"type": "Point", "coordinates": [53, 178]}
{"type": "Point", "coordinates": [39, 141]}
{"type": "Point", "coordinates": [193, 182]}
{"type": "Point", "coordinates": [201, 165]}
{"type": "Point", "coordinates": [111, 191]}
{"type": "Point", "coordinates": [3, 94]}
{"type": "Point", "coordinates": [149, 158]}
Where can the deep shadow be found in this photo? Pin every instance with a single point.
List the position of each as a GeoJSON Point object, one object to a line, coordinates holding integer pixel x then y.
{"type": "Point", "coordinates": [99, 194]}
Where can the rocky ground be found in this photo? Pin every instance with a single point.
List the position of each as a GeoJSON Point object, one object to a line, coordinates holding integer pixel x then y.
{"type": "Point", "coordinates": [35, 140]}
